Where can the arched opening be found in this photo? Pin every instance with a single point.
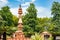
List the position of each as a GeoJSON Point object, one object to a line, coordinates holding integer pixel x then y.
{"type": "Point", "coordinates": [46, 37]}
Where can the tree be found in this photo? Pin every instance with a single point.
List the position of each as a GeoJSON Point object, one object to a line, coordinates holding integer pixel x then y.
{"type": "Point", "coordinates": [15, 20]}
{"type": "Point", "coordinates": [29, 20]}
{"type": "Point", "coordinates": [7, 15]}
{"type": "Point", "coordinates": [8, 22]}
{"type": "Point", "coordinates": [2, 22]}
{"type": "Point", "coordinates": [56, 17]}
{"type": "Point", "coordinates": [0, 25]}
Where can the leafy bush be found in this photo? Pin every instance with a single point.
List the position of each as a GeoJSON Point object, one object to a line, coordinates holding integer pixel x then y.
{"type": "Point", "coordinates": [51, 38]}
{"type": "Point", "coordinates": [36, 37]}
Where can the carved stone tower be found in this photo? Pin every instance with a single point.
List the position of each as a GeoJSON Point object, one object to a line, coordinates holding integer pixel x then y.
{"type": "Point", "coordinates": [19, 33]}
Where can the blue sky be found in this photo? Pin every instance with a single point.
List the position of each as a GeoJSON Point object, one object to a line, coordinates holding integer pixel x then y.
{"type": "Point", "coordinates": [43, 6]}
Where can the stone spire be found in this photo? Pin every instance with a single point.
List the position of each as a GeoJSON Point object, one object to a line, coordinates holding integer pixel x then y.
{"type": "Point", "coordinates": [20, 26]}
{"type": "Point", "coordinates": [19, 33]}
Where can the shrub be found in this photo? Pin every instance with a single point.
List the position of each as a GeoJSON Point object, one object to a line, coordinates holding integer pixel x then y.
{"type": "Point", "coordinates": [51, 38]}
{"type": "Point", "coordinates": [36, 37]}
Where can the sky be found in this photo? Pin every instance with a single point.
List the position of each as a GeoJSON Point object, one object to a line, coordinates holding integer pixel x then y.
{"type": "Point", "coordinates": [43, 6]}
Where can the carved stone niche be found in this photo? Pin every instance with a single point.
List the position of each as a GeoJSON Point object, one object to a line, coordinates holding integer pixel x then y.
{"type": "Point", "coordinates": [19, 35]}
{"type": "Point", "coordinates": [45, 35]}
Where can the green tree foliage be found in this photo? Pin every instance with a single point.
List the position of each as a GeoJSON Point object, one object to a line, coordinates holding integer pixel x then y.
{"type": "Point", "coordinates": [56, 17]}
{"type": "Point", "coordinates": [1, 23]}
{"type": "Point", "coordinates": [7, 15]}
{"type": "Point", "coordinates": [15, 20]}
{"type": "Point", "coordinates": [29, 20]}
{"type": "Point", "coordinates": [44, 24]}
{"type": "Point", "coordinates": [7, 22]}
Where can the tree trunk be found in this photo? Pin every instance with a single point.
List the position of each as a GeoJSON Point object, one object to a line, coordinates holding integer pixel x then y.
{"type": "Point", "coordinates": [4, 36]}
{"type": "Point", "coordinates": [0, 37]}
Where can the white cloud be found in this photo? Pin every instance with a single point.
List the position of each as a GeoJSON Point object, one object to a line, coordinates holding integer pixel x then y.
{"type": "Point", "coordinates": [33, 1]}
{"type": "Point", "coordinates": [3, 3]}
{"type": "Point", "coordinates": [26, 3]}
{"type": "Point", "coordinates": [42, 12]}
{"type": "Point", "coordinates": [15, 11]}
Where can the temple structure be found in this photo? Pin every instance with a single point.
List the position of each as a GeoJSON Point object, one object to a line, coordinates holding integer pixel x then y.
{"type": "Point", "coordinates": [19, 35]}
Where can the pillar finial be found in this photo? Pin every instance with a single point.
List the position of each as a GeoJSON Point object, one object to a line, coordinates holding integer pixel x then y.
{"type": "Point", "coordinates": [20, 5]}
{"type": "Point", "coordinates": [20, 10]}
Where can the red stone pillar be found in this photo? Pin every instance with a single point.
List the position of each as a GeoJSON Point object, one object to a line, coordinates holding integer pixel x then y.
{"type": "Point", "coordinates": [19, 35]}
